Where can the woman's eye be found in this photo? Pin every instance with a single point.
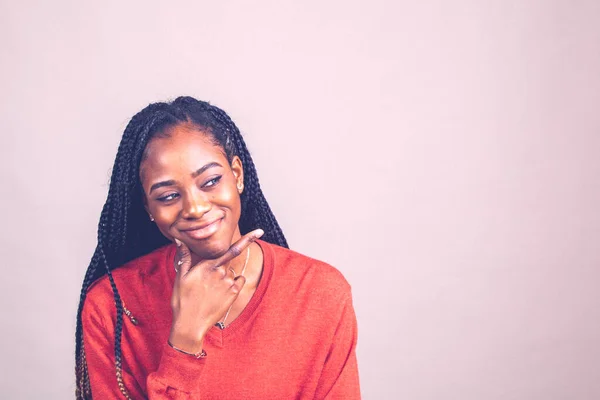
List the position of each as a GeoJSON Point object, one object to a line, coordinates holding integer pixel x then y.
{"type": "Point", "coordinates": [212, 182]}
{"type": "Point", "coordinates": [168, 197]}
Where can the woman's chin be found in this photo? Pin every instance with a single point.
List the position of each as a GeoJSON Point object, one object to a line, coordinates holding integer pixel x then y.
{"type": "Point", "coordinates": [209, 250]}
{"type": "Point", "coordinates": [213, 246]}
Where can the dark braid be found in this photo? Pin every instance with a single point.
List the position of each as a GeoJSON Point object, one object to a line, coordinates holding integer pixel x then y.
{"type": "Point", "coordinates": [255, 209]}
{"type": "Point", "coordinates": [125, 232]}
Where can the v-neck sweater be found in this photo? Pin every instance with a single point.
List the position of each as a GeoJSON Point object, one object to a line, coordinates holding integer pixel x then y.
{"type": "Point", "coordinates": [295, 339]}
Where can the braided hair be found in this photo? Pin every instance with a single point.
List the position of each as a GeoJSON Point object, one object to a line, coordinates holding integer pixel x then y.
{"type": "Point", "coordinates": [124, 230]}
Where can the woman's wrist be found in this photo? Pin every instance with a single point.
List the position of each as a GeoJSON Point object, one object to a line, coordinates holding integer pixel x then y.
{"type": "Point", "coordinates": [199, 354]}
{"type": "Point", "coordinates": [188, 343]}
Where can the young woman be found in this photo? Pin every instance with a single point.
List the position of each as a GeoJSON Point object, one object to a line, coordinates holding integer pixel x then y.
{"type": "Point", "coordinates": [182, 300]}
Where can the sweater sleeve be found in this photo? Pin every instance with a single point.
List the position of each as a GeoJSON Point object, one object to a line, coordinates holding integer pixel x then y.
{"type": "Point", "coordinates": [176, 377]}
{"type": "Point", "coordinates": [339, 378]}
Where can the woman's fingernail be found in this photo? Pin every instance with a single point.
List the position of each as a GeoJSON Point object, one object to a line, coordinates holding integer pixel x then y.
{"type": "Point", "coordinates": [177, 242]}
{"type": "Point", "coordinates": [259, 233]}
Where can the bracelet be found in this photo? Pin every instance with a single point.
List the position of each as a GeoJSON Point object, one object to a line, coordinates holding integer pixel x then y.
{"type": "Point", "coordinates": [200, 354]}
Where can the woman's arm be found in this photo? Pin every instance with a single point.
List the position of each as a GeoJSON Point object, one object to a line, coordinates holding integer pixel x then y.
{"type": "Point", "coordinates": [339, 378]}
{"type": "Point", "coordinates": [176, 377]}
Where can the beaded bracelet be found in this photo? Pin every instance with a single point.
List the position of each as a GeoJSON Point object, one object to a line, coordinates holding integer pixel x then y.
{"type": "Point", "coordinates": [200, 354]}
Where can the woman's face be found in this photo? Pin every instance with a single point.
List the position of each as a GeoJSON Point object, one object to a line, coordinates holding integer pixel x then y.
{"type": "Point", "coordinates": [192, 191]}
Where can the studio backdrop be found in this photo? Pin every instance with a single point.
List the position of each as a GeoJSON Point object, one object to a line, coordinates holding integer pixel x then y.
{"type": "Point", "coordinates": [444, 156]}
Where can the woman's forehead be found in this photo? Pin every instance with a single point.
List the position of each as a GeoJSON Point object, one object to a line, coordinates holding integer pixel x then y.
{"type": "Point", "coordinates": [181, 150]}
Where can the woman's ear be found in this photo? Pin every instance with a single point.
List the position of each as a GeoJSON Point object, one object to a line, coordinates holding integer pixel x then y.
{"type": "Point", "coordinates": [238, 171]}
{"type": "Point", "coordinates": [145, 202]}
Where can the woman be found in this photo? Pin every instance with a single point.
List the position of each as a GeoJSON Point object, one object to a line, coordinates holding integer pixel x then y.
{"type": "Point", "coordinates": [181, 299]}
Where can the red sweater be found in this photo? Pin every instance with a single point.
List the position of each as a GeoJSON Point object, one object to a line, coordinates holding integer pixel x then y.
{"type": "Point", "coordinates": [295, 339]}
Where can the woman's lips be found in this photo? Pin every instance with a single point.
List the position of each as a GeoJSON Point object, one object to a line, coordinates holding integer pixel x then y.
{"type": "Point", "coordinates": [204, 232]}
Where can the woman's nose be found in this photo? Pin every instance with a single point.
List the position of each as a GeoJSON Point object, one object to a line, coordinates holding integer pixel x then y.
{"type": "Point", "coordinates": [195, 205]}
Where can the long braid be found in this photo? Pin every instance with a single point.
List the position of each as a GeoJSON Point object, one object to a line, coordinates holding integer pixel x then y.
{"type": "Point", "coordinates": [258, 213]}
{"type": "Point", "coordinates": [112, 233]}
{"type": "Point", "coordinates": [83, 390]}
{"type": "Point", "coordinates": [124, 230]}
{"type": "Point", "coordinates": [118, 336]}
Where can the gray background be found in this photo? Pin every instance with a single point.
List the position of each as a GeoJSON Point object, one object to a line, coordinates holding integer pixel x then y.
{"type": "Point", "coordinates": [443, 155]}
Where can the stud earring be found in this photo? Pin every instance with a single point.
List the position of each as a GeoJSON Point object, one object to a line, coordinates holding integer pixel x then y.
{"type": "Point", "coordinates": [151, 218]}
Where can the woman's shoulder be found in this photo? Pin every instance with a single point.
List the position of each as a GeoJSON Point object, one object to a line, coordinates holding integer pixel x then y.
{"type": "Point", "coordinates": [297, 270]}
{"type": "Point", "coordinates": [129, 276]}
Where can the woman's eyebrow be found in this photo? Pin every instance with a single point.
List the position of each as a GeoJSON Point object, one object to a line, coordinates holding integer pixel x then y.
{"type": "Point", "coordinates": [161, 184]}
{"type": "Point", "coordinates": [204, 168]}
{"type": "Point", "coordinates": [198, 172]}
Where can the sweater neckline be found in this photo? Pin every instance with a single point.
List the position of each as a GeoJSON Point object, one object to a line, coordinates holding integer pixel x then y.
{"type": "Point", "coordinates": [216, 335]}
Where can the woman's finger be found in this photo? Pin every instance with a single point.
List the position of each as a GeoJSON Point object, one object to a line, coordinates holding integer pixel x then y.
{"type": "Point", "coordinates": [238, 247]}
{"type": "Point", "coordinates": [185, 258]}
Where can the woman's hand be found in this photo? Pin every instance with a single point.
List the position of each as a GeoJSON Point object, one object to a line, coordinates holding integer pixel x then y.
{"type": "Point", "coordinates": [203, 293]}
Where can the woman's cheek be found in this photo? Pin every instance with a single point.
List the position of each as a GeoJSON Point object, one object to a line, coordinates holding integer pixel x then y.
{"type": "Point", "coordinates": [166, 217]}
{"type": "Point", "coordinates": [226, 197]}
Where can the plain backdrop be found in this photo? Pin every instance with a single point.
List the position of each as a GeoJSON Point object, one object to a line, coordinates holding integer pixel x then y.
{"type": "Point", "coordinates": [444, 155]}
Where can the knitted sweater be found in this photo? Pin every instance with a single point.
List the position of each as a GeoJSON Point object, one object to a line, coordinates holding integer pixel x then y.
{"type": "Point", "coordinates": [295, 339]}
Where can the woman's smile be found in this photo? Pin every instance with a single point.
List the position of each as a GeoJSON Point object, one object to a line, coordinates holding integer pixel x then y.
{"type": "Point", "coordinates": [203, 231]}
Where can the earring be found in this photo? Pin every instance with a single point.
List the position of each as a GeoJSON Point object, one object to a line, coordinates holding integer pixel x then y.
{"type": "Point", "coordinates": [151, 218]}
